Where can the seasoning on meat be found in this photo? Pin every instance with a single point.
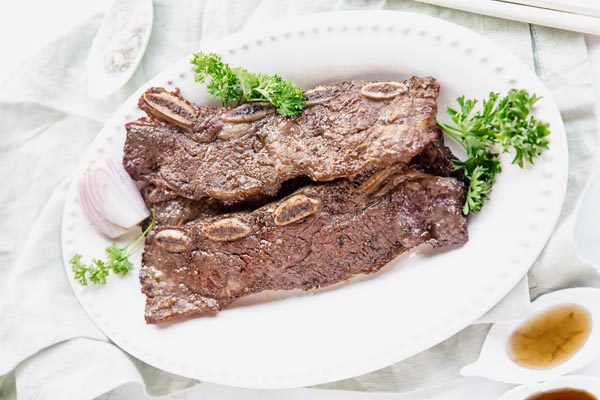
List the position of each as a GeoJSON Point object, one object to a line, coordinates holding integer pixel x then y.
{"type": "Point", "coordinates": [236, 154]}
{"type": "Point", "coordinates": [329, 233]}
{"type": "Point", "coordinates": [170, 209]}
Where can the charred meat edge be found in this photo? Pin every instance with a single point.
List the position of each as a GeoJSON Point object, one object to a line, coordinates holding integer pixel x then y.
{"type": "Point", "coordinates": [317, 236]}
{"type": "Point", "coordinates": [197, 152]}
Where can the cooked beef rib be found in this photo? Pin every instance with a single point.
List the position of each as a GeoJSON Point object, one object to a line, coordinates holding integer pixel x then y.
{"type": "Point", "coordinates": [319, 235]}
{"type": "Point", "coordinates": [233, 154]}
{"type": "Point", "coordinates": [170, 209]}
{"type": "Point", "coordinates": [437, 159]}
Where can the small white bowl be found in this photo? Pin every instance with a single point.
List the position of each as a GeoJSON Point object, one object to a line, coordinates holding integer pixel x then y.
{"type": "Point", "coordinates": [101, 82]}
{"type": "Point", "coordinates": [495, 363]}
{"type": "Point", "coordinates": [589, 384]}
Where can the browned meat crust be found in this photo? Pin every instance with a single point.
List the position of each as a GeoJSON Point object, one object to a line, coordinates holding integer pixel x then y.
{"type": "Point", "coordinates": [249, 151]}
{"type": "Point", "coordinates": [436, 159]}
{"type": "Point", "coordinates": [319, 235]}
{"type": "Point", "coordinates": [170, 209]}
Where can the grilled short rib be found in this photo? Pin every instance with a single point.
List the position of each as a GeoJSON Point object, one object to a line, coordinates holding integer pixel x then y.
{"type": "Point", "coordinates": [233, 154]}
{"type": "Point", "coordinates": [170, 209]}
{"type": "Point", "coordinates": [319, 235]}
{"type": "Point", "coordinates": [437, 159]}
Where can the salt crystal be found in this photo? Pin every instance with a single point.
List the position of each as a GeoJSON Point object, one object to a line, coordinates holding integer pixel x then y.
{"type": "Point", "coordinates": [126, 32]}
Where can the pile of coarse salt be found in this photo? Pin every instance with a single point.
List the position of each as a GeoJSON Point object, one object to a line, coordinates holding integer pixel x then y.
{"type": "Point", "coordinates": [126, 31]}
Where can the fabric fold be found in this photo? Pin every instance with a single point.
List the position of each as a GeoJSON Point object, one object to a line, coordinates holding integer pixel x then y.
{"type": "Point", "coordinates": [49, 348]}
{"type": "Point", "coordinates": [51, 313]}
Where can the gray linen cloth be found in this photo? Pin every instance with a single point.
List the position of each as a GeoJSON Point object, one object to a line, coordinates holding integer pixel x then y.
{"type": "Point", "coordinates": [50, 349]}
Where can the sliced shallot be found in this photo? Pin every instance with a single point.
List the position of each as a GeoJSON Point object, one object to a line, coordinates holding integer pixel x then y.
{"type": "Point", "coordinates": [109, 199]}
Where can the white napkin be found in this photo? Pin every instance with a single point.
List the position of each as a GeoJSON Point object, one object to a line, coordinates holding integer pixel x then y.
{"type": "Point", "coordinates": [48, 346]}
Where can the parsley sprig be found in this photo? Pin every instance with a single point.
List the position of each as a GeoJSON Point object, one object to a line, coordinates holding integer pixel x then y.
{"type": "Point", "coordinates": [505, 122]}
{"type": "Point", "coordinates": [117, 261]}
{"type": "Point", "coordinates": [239, 85]}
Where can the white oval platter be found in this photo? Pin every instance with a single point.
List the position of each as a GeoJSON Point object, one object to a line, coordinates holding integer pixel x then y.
{"type": "Point", "coordinates": [418, 300]}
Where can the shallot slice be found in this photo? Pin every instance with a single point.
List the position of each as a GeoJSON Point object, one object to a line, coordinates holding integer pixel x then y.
{"type": "Point", "coordinates": [109, 199]}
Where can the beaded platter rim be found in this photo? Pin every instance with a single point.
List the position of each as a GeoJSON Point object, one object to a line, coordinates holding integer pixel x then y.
{"type": "Point", "coordinates": [548, 180]}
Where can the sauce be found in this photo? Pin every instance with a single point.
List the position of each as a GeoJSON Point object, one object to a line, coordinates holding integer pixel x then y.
{"type": "Point", "coordinates": [563, 394]}
{"type": "Point", "coordinates": [551, 337]}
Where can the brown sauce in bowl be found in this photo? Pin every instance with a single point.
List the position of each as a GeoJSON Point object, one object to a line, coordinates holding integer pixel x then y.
{"type": "Point", "coordinates": [563, 394]}
{"type": "Point", "coordinates": [551, 337]}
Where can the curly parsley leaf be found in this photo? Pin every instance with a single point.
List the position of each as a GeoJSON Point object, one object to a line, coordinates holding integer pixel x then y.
{"type": "Point", "coordinates": [239, 85]}
{"type": "Point", "coordinates": [518, 130]}
{"type": "Point", "coordinates": [116, 262]}
{"type": "Point", "coordinates": [505, 122]}
{"type": "Point", "coordinates": [480, 171]}
{"type": "Point", "coordinates": [79, 269]}
{"type": "Point", "coordinates": [98, 271]}
{"type": "Point", "coordinates": [220, 80]}
{"type": "Point", "coordinates": [118, 259]}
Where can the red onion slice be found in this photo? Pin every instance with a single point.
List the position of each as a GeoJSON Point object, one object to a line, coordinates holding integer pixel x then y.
{"type": "Point", "coordinates": [110, 200]}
